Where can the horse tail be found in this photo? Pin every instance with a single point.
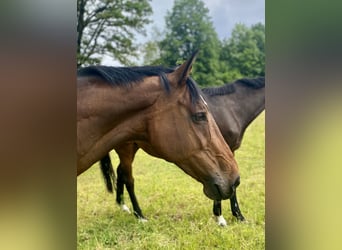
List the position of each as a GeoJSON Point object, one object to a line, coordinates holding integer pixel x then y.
{"type": "Point", "coordinates": [108, 172]}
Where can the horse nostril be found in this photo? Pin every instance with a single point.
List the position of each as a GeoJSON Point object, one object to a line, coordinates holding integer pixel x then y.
{"type": "Point", "coordinates": [237, 182]}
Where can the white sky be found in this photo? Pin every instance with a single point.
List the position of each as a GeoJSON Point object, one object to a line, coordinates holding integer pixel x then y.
{"type": "Point", "coordinates": [224, 13]}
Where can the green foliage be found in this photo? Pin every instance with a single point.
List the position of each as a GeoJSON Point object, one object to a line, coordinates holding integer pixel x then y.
{"type": "Point", "coordinates": [228, 74]}
{"type": "Point", "coordinates": [188, 28]}
{"type": "Point", "coordinates": [107, 27]}
{"type": "Point", "coordinates": [150, 51]}
{"type": "Point", "coordinates": [244, 52]}
{"type": "Point", "coordinates": [179, 214]}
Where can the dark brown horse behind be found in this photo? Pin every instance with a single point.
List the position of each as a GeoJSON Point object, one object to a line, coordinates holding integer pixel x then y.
{"type": "Point", "coordinates": [234, 106]}
{"type": "Point", "coordinates": [148, 105]}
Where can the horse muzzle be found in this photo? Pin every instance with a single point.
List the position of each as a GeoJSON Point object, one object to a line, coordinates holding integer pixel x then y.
{"type": "Point", "coordinates": [220, 191]}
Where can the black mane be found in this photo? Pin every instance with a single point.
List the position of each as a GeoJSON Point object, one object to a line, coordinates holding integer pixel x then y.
{"type": "Point", "coordinates": [127, 76]}
{"type": "Point", "coordinates": [228, 88]}
{"type": "Point", "coordinates": [255, 83]}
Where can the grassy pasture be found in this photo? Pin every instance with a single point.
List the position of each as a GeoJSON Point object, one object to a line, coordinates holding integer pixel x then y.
{"type": "Point", "coordinates": [179, 214]}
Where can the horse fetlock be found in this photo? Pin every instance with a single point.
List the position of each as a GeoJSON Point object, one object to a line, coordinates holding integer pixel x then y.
{"type": "Point", "coordinates": [221, 221]}
{"type": "Point", "coordinates": [143, 220]}
{"type": "Point", "coordinates": [125, 208]}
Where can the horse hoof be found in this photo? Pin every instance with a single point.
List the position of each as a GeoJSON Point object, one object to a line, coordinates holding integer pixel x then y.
{"type": "Point", "coordinates": [125, 208]}
{"type": "Point", "coordinates": [221, 221]}
{"type": "Point", "coordinates": [143, 220]}
{"type": "Point", "coordinates": [241, 218]}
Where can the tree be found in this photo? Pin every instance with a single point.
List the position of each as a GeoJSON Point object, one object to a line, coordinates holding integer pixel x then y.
{"type": "Point", "coordinates": [188, 28]}
{"type": "Point", "coordinates": [108, 27]}
{"type": "Point", "coordinates": [150, 51]}
{"type": "Point", "coordinates": [244, 52]}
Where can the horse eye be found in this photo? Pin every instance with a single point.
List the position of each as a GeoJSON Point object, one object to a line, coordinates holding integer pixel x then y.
{"type": "Point", "coordinates": [200, 116]}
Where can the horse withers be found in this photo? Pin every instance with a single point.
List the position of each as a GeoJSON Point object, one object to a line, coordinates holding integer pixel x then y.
{"type": "Point", "coordinates": [160, 108]}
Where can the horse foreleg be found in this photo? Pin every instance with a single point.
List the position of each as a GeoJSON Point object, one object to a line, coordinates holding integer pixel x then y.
{"type": "Point", "coordinates": [128, 180]}
{"type": "Point", "coordinates": [136, 207]}
{"type": "Point", "coordinates": [234, 205]}
{"type": "Point", "coordinates": [126, 154]}
{"type": "Point", "coordinates": [217, 210]}
{"type": "Point", "coordinates": [120, 189]}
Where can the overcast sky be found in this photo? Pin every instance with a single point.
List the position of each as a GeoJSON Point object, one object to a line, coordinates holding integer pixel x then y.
{"type": "Point", "coordinates": [224, 15]}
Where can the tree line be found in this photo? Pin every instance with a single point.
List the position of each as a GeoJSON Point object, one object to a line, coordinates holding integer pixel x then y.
{"type": "Point", "coordinates": [109, 29]}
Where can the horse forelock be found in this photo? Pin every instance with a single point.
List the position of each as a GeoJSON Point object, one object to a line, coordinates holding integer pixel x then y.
{"type": "Point", "coordinates": [193, 89]}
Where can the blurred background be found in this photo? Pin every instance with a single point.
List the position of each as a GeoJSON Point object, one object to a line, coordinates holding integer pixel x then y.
{"type": "Point", "coordinates": [230, 36]}
{"type": "Point", "coordinates": [303, 125]}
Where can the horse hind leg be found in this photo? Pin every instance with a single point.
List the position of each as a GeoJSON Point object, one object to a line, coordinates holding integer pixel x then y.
{"type": "Point", "coordinates": [217, 210]}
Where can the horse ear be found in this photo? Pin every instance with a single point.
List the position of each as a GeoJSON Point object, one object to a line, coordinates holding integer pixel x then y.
{"type": "Point", "coordinates": [180, 75]}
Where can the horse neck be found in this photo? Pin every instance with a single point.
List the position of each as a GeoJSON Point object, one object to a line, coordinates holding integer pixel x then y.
{"type": "Point", "coordinates": [117, 101]}
{"type": "Point", "coordinates": [108, 116]}
{"type": "Point", "coordinates": [249, 104]}
{"type": "Point", "coordinates": [137, 98]}
{"type": "Point", "coordinates": [240, 107]}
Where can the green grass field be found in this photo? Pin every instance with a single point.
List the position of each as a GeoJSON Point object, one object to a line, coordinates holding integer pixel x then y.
{"type": "Point", "coordinates": [180, 215]}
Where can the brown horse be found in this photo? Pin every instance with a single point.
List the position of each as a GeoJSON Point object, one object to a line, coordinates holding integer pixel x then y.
{"type": "Point", "coordinates": [234, 106]}
{"type": "Point", "coordinates": [161, 109]}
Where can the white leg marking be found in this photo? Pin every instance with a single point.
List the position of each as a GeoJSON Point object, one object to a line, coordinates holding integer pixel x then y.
{"type": "Point", "coordinates": [143, 220]}
{"type": "Point", "coordinates": [125, 208]}
{"type": "Point", "coordinates": [221, 221]}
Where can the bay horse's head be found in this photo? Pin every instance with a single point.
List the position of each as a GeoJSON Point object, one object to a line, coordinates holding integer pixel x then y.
{"type": "Point", "coordinates": [122, 104]}
{"type": "Point", "coordinates": [183, 131]}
